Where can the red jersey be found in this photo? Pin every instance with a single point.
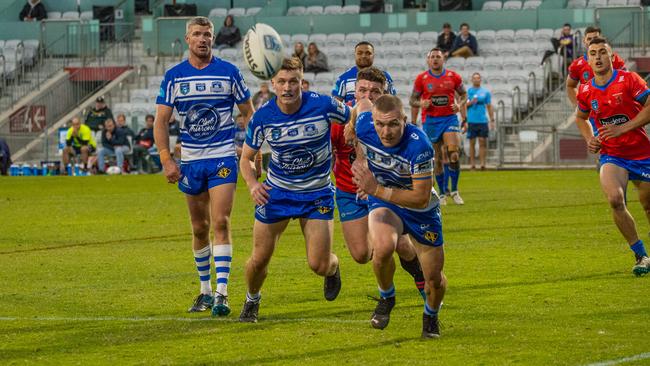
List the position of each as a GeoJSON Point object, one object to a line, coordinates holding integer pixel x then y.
{"type": "Point", "coordinates": [344, 155]}
{"type": "Point", "coordinates": [581, 71]}
{"type": "Point", "coordinates": [440, 89]}
{"type": "Point", "coordinates": [618, 102]}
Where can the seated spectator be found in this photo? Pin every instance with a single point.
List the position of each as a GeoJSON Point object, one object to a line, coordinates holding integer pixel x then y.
{"type": "Point", "coordinates": [240, 134]}
{"type": "Point", "coordinates": [121, 123]}
{"type": "Point", "coordinates": [263, 95]}
{"type": "Point", "coordinates": [174, 130]}
{"type": "Point", "coordinates": [305, 85]}
{"type": "Point", "coordinates": [228, 35]}
{"type": "Point", "coordinates": [316, 61]}
{"type": "Point", "coordinates": [299, 52]}
{"type": "Point", "coordinates": [446, 39]}
{"type": "Point", "coordinates": [465, 44]}
{"type": "Point", "coordinates": [114, 142]}
{"type": "Point", "coordinates": [79, 141]}
{"type": "Point", "coordinates": [142, 143]}
{"type": "Point", "coordinates": [565, 42]}
{"type": "Point", "coordinates": [5, 157]}
{"type": "Point", "coordinates": [34, 10]}
{"type": "Point", "coordinates": [98, 115]}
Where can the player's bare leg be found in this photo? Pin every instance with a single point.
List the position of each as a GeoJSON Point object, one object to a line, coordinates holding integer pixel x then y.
{"type": "Point", "coordinates": [265, 238]}
{"type": "Point", "coordinates": [199, 208]}
{"type": "Point", "coordinates": [318, 242]}
{"type": "Point", "coordinates": [613, 180]}
{"type": "Point", "coordinates": [472, 152]}
{"type": "Point", "coordinates": [355, 233]}
{"type": "Point", "coordinates": [452, 144]}
{"type": "Point", "coordinates": [221, 201]}
{"type": "Point", "coordinates": [482, 151]}
{"type": "Point", "coordinates": [438, 171]}
{"type": "Point", "coordinates": [384, 228]}
{"type": "Point", "coordinates": [642, 266]}
{"type": "Point", "coordinates": [432, 260]}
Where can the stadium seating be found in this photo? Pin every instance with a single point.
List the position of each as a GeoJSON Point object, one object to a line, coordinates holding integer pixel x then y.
{"type": "Point", "coordinates": [577, 4]}
{"type": "Point", "coordinates": [531, 4]}
{"type": "Point", "coordinates": [512, 5]}
{"type": "Point", "coordinates": [218, 12]}
{"type": "Point", "coordinates": [492, 5]}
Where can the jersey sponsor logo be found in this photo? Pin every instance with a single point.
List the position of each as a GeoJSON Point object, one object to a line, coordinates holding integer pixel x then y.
{"type": "Point", "coordinates": [185, 182]}
{"type": "Point", "coordinates": [202, 122]}
{"type": "Point", "coordinates": [415, 136]}
{"type": "Point", "coordinates": [431, 236]}
{"type": "Point", "coordinates": [216, 87]}
{"type": "Point", "coordinates": [276, 133]}
{"type": "Point", "coordinates": [185, 88]}
{"type": "Point", "coordinates": [424, 155]}
{"type": "Point", "coordinates": [297, 161]}
{"type": "Point", "coordinates": [615, 120]}
{"type": "Point", "coordinates": [310, 130]}
{"type": "Point", "coordinates": [200, 87]}
{"type": "Point", "coordinates": [261, 210]}
{"type": "Point", "coordinates": [440, 100]}
{"type": "Point", "coordinates": [594, 104]}
{"type": "Point", "coordinates": [223, 172]}
{"type": "Point", "coordinates": [292, 132]}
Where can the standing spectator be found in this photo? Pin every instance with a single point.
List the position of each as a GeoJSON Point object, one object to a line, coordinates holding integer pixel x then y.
{"type": "Point", "coordinates": [465, 45]}
{"type": "Point", "coordinates": [121, 124]}
{"type": "Point", "coordinates": [263, 95]}
{"type": "Point", "coordinates": [33, 10]}
{"type": "Point", "coordinates": [240, 133]}
{"type": "Point", "coordinates": [478, 100]}
{"type": "Point", "coordinates": [142, 143]}
{"type": "Point", "coordinates": [98, 115]}
{"type": "Point", "coordinates": [446, 39]}
{"type": "Point", "coordinates": [5, 157]}
{"type": "Point", "coordinates": [228, 35]}
{"type": "Point", "coordinates": [316, 61]}
{"type": "Point", "coordinates": [305, 85]}
{"type": "Point", "coordinates": [114, 142]}
{"type": "Point", "coordinates": [79, 141]}
{"type": "Point", "coordinates": [299, 52]}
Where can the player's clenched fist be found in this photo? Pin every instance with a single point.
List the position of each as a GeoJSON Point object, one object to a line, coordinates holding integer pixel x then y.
{"type": "Point", "coordinates": [171, 171]}
{"type": "Point", "coordinates": [363, 177]}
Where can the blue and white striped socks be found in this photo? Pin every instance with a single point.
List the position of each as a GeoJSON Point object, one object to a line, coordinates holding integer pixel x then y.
{"type": "Point", "coordinates": [385, 294]}
{"type": "Point", "coordinates": [222, 259]}
{"type": "Point", "coordinates": [429, 311]}
{"type": "Point", "coordinates": [202, 259]}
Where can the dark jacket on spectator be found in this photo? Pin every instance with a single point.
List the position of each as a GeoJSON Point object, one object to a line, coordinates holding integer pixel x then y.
{"type": "Point", "coordinates": [97, 117]}
{"type": "Point", "coordinates": [128, 131]}
{"type": "Point", "coordinates": [118, 138]}
{"type": "Point", "coordinates": [446, 44]}
{"type": "Point", "coordinates": [319, 64]}
{"type": "Point", "coordinates": [5, 157]}
{"type": "Point", "coordinates": [37, 11]}
{"type": "Point", "coordinates": [471, 42]}
{"type": "Point", "coordinates": [228, 35]}
{"type": "Point", "coordinates": [145, 137]}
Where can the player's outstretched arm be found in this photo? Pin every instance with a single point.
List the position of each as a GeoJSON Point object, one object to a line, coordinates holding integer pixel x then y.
{"type": "Point", "coordinates": [161, 137]}
{"type": "Point", "coordinates": [641, 119]}
{"type": "Point", "coordinates": [257, 190]}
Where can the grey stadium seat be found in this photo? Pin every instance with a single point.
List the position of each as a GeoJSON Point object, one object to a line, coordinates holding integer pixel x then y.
{"type": "Point", "coordinates": [300, 37]}
{"type": "Point", "coordinates": [319, 38]}
{"type": "Point", "coordinates": [333, 9]}
{"type": "Point", "coordinates": [428, 39]}
{"type": "Point", "coordinates": [410, 38]}
{"type": "Point", "coordinates": [373, 37]}
{"type": "Point", "coordinates": [474, 63]}
{"type": "Point", "coordinates": [531, 4]}
{"type": "Point", "coordinates": [351, 9]}
{"type": "Point", "coordinates": [492, 5]}
{"type": "Point", "coordinates": [485, 36]}
{"type": "Point", "coordinates": [253, 11]}
{"type": "Point", "coordinates": [493, 63]}
{"type": "Point", "coordinates": [314, 10]}
{"type": "Point", "coordinates": [576, 4]}
{"type": "Point", "coordinates": [237, 12]}
{"type": "Point", "coordinates": [218, 12]}
{"type": "Point", "coordinates": [351, 39]}
{"type": "Point", "coordinates": [512, 5]}
{"type": "Point", "coordinates": [456, 63]}
{"type": "Point", "coordinates": [297, 10]}
{"type": "Point", "coordinates": [335, 40]}
{"type": "Point", "coordinates": [504, 35]}
{"type": "Point", "coordinates": [391, 39]}
{"type": "Point", "coordinates": [524, 35]}
{"type": "Point", "coordinates": [512, 63]}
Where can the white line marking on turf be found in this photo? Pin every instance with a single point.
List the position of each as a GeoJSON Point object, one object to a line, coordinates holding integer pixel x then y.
{"type": "Point", "coordinates": [641, 356]}
{"type": "Point", "coordinates": [178, 319]}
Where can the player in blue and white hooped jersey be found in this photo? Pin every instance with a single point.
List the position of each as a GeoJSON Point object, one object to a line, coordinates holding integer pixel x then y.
{"type": "Point", "coordinates": [203, 90]}
{"type": "Point", "coordinates": [296, 125]}
{"type": "Point", "coordinates": [394, 167]}
{"type": "Point", "coordinates": [364, 56]}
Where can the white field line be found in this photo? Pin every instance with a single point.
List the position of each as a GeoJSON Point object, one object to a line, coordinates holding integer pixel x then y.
{"type": "Point", "coordinates": [641, 356]}
{"type": "Point", "coordinates": [175, 319]}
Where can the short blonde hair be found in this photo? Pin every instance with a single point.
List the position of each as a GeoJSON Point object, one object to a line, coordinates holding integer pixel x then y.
{"type": "Point", "coordinates": [388, 103]}
{"type": "Point", "coordinates": [291, 64]}
{"type": "Point", "coordinates": [202, 21]}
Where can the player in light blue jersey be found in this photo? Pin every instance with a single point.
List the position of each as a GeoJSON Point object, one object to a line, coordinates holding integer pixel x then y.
{"type": "Point", "coordinates": [364, 56]}
{"type": "Point", "coordinates": [204, 89]}
{"type": "Point", "coordinates": [296, 125]}
{"type": "Point", "coordinates": [394, 167]}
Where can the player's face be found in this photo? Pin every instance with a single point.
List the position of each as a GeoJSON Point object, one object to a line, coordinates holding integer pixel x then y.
{"type": "Point", "coordinates": [287, 86]}
{"type": "Point", "coordinates": [600, 58]}
{"type": "Point", "coordinates": [389, 126]}
{"type": "Point", "coordinates": [199, 40]}
{"type": "Point", "coordinates": [366, 89]}
{"type": "Point", "coordinates": [589, 37]}
{"type": "Point", "coordinates": [476, 80]}
{"type": "Point", "coordinates": [364, 56]}
{"type": "Point", "coordinates": [435, 60]}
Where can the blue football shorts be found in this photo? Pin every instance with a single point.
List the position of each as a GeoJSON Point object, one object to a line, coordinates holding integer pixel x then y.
{"type": "Point", "coordinates": [350, 207]}
{"type": "Point", "coordinates": [424, 226]}
{"type": "Point", "coordinates": [199, 176]}
{"type": "Point", "coordinates": [435, 127]}
{"type": "Point", "coordinates": [283, 204]}
{"type": "Point", "coordinates": [638, 170]}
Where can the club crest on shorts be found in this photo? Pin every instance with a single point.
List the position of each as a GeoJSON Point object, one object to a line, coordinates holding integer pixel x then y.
{"type": "Point", "coordinates": [323, 209]}
{"type": "Point", "coordinates": [223, 172]}
{"type": "Point", "coordinates": [185, 88]}
{"type": "Point", "coordinates": [431, 236]}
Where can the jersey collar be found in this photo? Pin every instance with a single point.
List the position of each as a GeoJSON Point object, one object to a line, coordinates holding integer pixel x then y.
{"type": "Point", "coordinates": [603, 87]}
{"type": "Point", "coordinates": [444, 71]}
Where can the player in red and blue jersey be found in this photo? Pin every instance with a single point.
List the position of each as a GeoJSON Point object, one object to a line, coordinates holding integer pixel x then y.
{"type": "Point", "coordinates": [435, 92]}
{"type": "Point", "coordinates": [618, 101]}
{"type": "Point", "coordinates": [353, 210]}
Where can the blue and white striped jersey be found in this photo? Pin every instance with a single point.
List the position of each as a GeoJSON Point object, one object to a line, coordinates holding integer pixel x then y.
{"type": "Point", "coordinates": [344, 87]}
{"type": "Point", "coordinates": [204, 99]}
{"type": "Point", "coordinates": [301, 150]}
{"type": "Point", "coordinates": [399, 165]}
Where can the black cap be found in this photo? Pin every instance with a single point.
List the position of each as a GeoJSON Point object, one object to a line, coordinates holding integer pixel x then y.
{"type": "Point", "coordinates": [99, 100]}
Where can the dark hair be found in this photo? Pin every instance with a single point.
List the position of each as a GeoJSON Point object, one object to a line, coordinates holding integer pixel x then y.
{"type": "Point", "coordinates": [315, 46]}
{"type": "Point", "coordinates": [477, 73]}
{"type": "Point", "coordinates": [149, 116]}
{"type": "Point", "coordinates": [372, 74]}
{"type": "Point", "coordinates": [232, 20]}
{"type": "Point", "coordinates": [364, 43]}
{"type": "Point", "coordinates": [567, 25]}
{"type": "Point", "coordinates": [291, 64]}
{"type": "Point", "coordinates": [464, 25]}
{"type": "Point", "coordinates": [599, 40]}
{"type": "Point", "coordinates": [592, 29]}
{"type": "Point", "coordinates": [446, 25]}
{"type": "Point", "coordinates": [436, 49]}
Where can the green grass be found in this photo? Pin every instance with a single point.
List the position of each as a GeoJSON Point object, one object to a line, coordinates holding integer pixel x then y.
{"type": "Point", "coordinates": [98, 270]}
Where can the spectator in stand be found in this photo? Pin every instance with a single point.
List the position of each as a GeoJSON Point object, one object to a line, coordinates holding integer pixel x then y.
{"type": "Point", "coordinates": [98, 115]}
{"type": "Point", "coordinates": [121, 123]}
{"type": "Point", "coordinates": [240, 133]}
{"type": "Point", "coordinates": [5, 157]}
{"type": "Point", "coordinates": [465, 44]}
{"type": "Point", "coordinates": [79, 141]}
{"type": "Point", "coordinates": [174, 130]}
{"type": "Point", "coordinates": [114, 142]}
{"type": "Point", "coordinates": [263, 95]}
{"type": "Point", "coordinates": [228, 35]}
{"type": "Point", "coordinates": [565, 41]}
{"type": "Point", "coordinates": [305, 85]}
{"type": "Point", "coordinates": [446, 39]}
{"type": "Point", "coordinates": [142, 143]}
{"type": "Point", "coordinates": [299, 52]}
{"type": "Point", "coordinates": [316, 61]}
{"type": "Point", "coordinates": [34, 10]}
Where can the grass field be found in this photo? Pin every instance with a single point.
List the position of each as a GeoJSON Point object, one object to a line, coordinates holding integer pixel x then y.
{"type": "Point", "coordinates": [98, 270]}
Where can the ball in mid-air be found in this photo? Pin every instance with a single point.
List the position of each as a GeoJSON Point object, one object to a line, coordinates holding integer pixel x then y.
{"type": "Point", "coordinates": [263, 51]}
